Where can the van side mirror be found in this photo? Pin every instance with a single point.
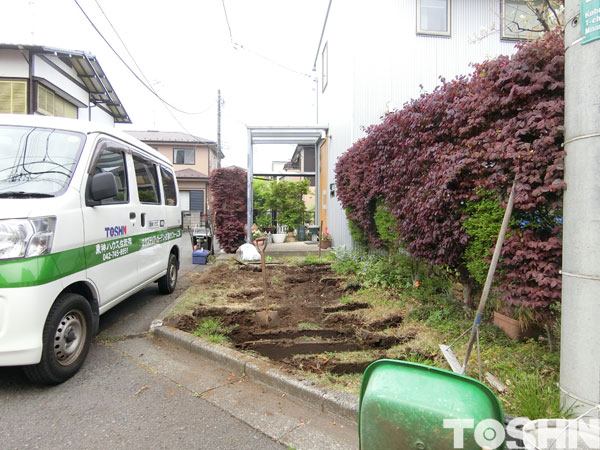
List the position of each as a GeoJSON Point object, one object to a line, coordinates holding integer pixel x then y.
{"type": "Point", "coordinates": [102, 186]}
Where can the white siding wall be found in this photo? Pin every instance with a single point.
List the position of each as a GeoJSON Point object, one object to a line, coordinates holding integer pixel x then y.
{"type": "Point", "coordinates": [377, 59]}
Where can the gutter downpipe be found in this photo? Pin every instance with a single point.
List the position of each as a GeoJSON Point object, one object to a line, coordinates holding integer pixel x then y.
{"type": "Point", "coordinates": [249, 193]}
{"type": "Point", "coordinates": [31, 104]}
{"type": "Point", "coordinates": [580, 334]}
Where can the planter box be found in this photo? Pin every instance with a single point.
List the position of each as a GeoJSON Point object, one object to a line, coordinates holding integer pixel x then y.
{"type": "Point", "coordinates": [513, 329]}
{"type": "Point", "coordinates": [278, 238]}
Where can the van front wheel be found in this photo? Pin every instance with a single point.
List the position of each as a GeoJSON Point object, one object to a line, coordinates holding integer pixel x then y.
{"type": "Point", "coordinates": [167, 283]}
{"type": "Point", "coordinates": [66, 340]}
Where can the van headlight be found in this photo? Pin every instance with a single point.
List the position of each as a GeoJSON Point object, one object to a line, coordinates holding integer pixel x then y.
{"type": "Point", "coordinates": [25, 238]}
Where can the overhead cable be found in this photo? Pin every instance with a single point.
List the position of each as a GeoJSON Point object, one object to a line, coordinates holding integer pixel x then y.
{"type": "Point", "coordinates": [137, 77]}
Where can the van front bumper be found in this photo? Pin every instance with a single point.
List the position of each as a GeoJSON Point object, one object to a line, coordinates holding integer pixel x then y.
{"type": "Point", "coordinates": [23, 312]}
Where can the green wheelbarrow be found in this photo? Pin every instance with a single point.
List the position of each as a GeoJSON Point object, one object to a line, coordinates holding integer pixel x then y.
{"type": "Point", "coordinates": [412, 406]}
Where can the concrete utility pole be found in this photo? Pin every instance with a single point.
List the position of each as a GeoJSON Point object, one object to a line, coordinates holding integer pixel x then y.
{"type": "Point", "coordinates": [580, 341]}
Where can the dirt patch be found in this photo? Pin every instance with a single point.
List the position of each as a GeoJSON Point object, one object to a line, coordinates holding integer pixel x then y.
{"type": "Point", "coordinates": [315, 328]}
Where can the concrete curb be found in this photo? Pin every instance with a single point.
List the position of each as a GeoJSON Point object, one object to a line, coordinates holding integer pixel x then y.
{"type": "Point", "coordinates": [333, 401]}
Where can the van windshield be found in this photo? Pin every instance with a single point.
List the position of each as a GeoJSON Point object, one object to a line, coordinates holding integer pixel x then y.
{"type": "Point", "coordinates": [37, 162]}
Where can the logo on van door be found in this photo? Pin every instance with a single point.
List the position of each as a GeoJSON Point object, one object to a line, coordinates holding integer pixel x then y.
{"type": "Point", "coordinates": [116, 231]}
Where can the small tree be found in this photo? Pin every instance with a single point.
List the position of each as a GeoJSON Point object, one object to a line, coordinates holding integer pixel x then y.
{"type": "Point", "coordinates": [228, 203]}
{"type": "Point", "coordinates": [261, 203]}
{"type": "Point", "coordinates": [286, 199]}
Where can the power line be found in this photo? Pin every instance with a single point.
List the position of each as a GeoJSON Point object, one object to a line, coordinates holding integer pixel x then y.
{"type": "Point", "coordinates": [133, 72]}
{"type": "Point", "coordinates": [272, 61]}
{"type": "Point", "coordinates": [227, 20]}
{"type": "Point", "coordinates": [237, 46]}
{"type": "Point", "coordinates": [139, 68]}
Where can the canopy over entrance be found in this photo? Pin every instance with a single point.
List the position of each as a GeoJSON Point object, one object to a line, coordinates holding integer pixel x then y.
{"type": "Point", "coordinates": [303, 135]}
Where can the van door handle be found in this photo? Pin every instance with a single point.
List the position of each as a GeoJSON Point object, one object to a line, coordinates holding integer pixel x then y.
{"type": "Point", "coordinates": [143, 219]}
{"type": "Point", "coordinates": [132, 215]}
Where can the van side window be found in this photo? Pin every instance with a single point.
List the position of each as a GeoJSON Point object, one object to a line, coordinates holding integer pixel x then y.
{"type": "Point", "coordinates": [111, 160]}
{"type": "Point", "coordinates": [147, 180]}
{"type": "Point", "coordinates": [168, 187]}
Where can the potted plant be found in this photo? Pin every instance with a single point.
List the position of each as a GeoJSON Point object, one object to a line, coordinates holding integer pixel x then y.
{"type": "Point", "coordinates": [325, 239]}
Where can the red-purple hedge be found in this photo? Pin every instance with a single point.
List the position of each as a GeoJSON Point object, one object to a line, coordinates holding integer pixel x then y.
{"type": "Point", "coordinates": [426, 161]}
{"type": "Point", "coordinates": [228, 204]}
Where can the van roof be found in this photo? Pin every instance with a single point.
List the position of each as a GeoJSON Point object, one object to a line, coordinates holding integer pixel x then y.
{"type": "Point", "coordinates": [80, 126]}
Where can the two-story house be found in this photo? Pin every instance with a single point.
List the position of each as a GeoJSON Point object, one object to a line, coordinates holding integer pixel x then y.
{"type": "Point", "coordinates": [194, 159]}
{"type": "Point", "coordinates": [375, 56]}
{"type": "Point", "coordinates": [53, 82]}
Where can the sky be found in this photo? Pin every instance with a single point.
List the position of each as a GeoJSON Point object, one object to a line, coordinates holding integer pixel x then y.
{"type": "Point", "coordinates": [259, 53]}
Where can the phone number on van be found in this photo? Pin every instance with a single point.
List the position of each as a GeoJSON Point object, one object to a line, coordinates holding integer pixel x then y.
{"type": "Point", "coordinates": [114, 249]}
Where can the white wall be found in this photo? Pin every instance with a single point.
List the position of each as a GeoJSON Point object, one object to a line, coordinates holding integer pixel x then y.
{"type": "Point", "coordinates": [98, 115]}
{"type": "Point", "coordinates": [44, 70]}
{"type": "Point", "coordinates": [377, 59]}
{"type": "Point", "coordinates": [13, 64]}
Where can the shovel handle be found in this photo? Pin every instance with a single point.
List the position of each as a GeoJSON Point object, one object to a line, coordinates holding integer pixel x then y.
{"type": "Point", "coordinates": [262, 248]}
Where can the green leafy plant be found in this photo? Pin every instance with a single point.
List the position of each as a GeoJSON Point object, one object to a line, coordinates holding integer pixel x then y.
{"type": "Point", "coordinates": [287, 199]}
{"type": "Point", "coordinates": [213, 330]}
{"type": "Point", "coordinates": [482, 225]}
{"type": "Point", "coordinates": [308, 326]}
{"type": "Point", "coordinates": [261, 203]}
{"type": "Point", "coordinates": [386, 226]}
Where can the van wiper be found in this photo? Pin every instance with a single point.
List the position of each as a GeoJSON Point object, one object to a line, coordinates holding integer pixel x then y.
{"type": "Point", "coordinates": [22, 194]}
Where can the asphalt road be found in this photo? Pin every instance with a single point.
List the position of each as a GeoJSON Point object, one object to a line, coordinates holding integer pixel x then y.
{"type": "Point", "coordinates": [124, 397]}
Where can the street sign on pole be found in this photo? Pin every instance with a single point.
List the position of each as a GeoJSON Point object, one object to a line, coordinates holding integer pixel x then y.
{"type": "Point", "coordinates": [590, 20]}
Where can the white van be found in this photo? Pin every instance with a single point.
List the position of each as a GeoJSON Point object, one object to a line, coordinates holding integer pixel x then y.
{"type": "Point", "coordinates": [88, 216]}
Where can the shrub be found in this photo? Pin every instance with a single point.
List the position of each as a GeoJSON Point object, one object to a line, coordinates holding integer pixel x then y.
{"type": "Point", "coordinates": [228, 204]}
{"type": "Point", "coordinates": [428, 160]}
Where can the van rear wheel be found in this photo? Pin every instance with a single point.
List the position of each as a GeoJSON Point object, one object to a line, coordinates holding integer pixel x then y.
{"type": "Point", "coordinates": [167, 283]}
{"type": "Point", "coordinates": [66, 340]}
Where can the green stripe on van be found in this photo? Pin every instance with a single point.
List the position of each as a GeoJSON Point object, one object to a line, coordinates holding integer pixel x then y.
{"type": "Point", "coordinates": [44, 269]}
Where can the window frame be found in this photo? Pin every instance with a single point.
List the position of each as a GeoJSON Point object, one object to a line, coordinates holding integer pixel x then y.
{"type": "Point", "coordinates": [111, 146]}
{"type": "Point", "coordinates": [170, 174]}
{"type": "Point", "coordinates": [157, 187]}
{"type": "Point", "coordinates": [193, 150]}
{"type": "Point", "coordinates": [25, 84]}
{"type": "Point", "coordinates": [447, 33]}
{"type": "Point", "coordinates": [525, 35]}
{"type": "Point", "coordinates": [56, 99]}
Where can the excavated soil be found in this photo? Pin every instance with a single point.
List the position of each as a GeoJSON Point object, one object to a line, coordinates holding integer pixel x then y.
{"type": "Point", "coordinates": [313, 324]}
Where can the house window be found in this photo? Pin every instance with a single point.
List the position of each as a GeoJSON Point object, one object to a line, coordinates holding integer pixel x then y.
{"type": "Point", "coordinates": [519, 20]}
{"type": "Point", "coordinates": [184, 156]}
{"type": "Point", "coordinates": [50, 104]}
{"type": "Point", "coordinates": [433, 17]}
{"type": "Point", "coordinates": [13, 97]}
{"type": "Point", "coordinates": [324, 67]}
